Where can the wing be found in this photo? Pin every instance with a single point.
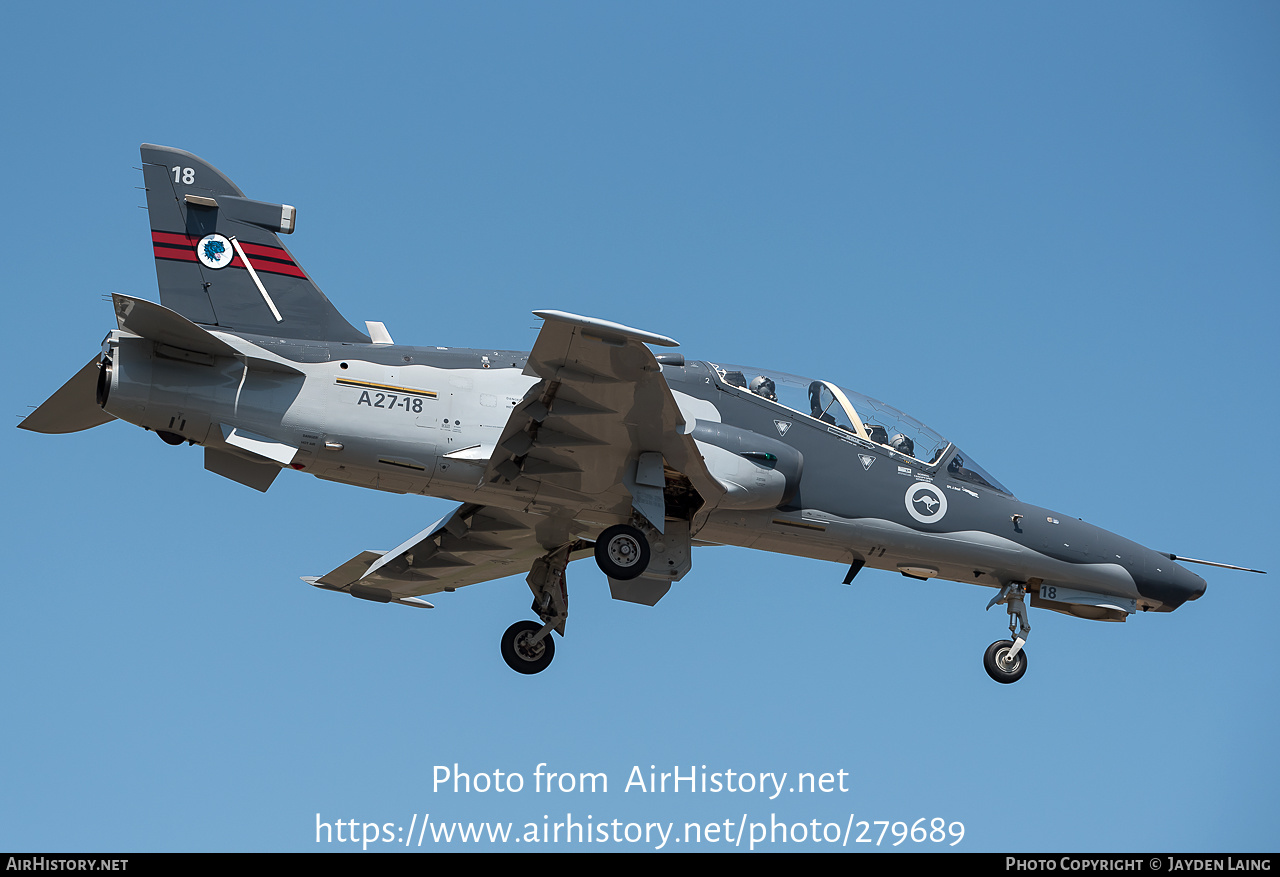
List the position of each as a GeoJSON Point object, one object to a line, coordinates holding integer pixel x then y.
{"type": "Point", "coordinates": [471, 544]}
{"type": "Point", "coordinates": [600, 434]}
{"type": "Point", "coordinates": [601, 429]}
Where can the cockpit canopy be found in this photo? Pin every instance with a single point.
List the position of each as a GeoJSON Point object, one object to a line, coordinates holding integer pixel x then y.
{"type": "Point", "coordinates": [869, 419]}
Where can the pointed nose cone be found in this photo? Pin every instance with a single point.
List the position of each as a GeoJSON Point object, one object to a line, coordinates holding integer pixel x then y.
{"type": "Point", "coordinates": [1184, 586]}
{"type": "Point", "coordinates": [1169, 582]}
{"type": "Point", "coordinates": [1194, 584]}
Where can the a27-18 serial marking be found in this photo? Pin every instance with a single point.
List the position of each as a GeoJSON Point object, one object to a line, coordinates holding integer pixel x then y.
{"type": "Point", "coordinates": [390, 400]}
{"type": "Point", "coordinates": [403, 397]}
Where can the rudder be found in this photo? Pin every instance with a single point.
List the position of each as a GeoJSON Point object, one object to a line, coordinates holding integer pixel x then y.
{"type": "Point", "coordinates": [202, 231]}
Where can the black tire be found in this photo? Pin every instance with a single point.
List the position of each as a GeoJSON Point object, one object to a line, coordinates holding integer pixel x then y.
{"type": "Point", "coordinates": [1000, 670]}
{"type": "Point", "coordinates": [520, 657]}
{"type": "Point", "coordinates": [622, 552]}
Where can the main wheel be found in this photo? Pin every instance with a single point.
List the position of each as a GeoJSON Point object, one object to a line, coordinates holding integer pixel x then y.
{"type": "Point", "coordinates": [622, 552]}
{"type": "Point", "coordinates": [522, 656]}
{"type": "Point", "coordinates": [998, 665]}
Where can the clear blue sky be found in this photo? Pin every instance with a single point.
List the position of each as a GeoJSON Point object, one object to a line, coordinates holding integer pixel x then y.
{"type": "Point", "coordinates": [1047, 230]}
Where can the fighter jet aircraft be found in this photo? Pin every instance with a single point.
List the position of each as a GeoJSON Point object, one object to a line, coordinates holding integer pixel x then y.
{"type": "Point", "coordinates": [590, 444]}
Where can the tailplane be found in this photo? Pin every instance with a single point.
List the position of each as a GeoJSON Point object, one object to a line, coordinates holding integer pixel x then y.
{"type": "Point", "coordinates": [219, 259]}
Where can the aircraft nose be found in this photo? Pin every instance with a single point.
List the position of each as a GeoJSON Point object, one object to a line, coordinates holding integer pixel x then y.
{"type": "Point", "coordinates": [1170, 582]}
{"type": "Point", "coordinates": [1193, 584]}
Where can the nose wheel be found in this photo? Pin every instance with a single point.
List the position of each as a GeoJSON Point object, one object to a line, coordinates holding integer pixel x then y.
{"type": "Point", "coordinates": [1005, 661]}
{"type": "Point", "coordinates": [1002, 664]}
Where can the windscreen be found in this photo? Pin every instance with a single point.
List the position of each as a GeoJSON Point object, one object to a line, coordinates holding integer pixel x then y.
{"type": "Point", "coordinates": [867, 418]}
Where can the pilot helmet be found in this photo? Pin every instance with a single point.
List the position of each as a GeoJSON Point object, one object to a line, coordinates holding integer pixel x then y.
{"type": "Point", "coordinates": [763, 386]}
{"type": "Point", "coordinates": [903, 445]}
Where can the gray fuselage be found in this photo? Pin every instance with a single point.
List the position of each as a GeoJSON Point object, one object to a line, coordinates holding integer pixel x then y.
{"type": "Point", "coordinates": [425, 420]}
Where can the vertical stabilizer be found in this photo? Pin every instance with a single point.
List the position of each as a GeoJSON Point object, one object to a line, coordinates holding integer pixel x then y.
{"type": "Point", "coordinates": [219, 259]}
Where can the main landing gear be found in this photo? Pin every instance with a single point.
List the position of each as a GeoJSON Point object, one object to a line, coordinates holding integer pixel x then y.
{"type": "Point", "coordinates": [1005, 661]}
{"type": "Point", "coordinates": [527, 646]}
{"type": "Point", "coordinates": [622, 552]}
{"type": "Point", "coordinates": [525, 651]}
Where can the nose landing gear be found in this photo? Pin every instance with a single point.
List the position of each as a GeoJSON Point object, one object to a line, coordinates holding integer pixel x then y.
{"type": "Point", "coordinates": [1005, 661]}
{"type": "Point", "coordinates": [1002, 663]}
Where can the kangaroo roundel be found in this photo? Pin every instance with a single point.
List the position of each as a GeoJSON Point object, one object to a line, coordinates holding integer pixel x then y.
{"type": "Point", "coordinates": [926, 503]}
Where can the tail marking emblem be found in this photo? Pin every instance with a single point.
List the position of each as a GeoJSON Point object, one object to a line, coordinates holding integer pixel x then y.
{"type": "Point", "coordinates": [214, 251]}
{"type": "Point", "coordinates": [182, 248]}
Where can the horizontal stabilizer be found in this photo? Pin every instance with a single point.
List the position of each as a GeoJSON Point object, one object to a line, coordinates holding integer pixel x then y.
{"type": "Point", "coordinates": [73, 408]}
{"type": "Point", "coordinates": [146, 319]}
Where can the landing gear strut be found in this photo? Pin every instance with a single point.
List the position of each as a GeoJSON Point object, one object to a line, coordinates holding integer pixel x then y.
{"type": "Point", "coordinates": [1005, 661]}
{"type": "Point", "coordinates": [527, 646]}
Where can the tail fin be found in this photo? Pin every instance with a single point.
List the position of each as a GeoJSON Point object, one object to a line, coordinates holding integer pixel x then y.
{"type": "Point", "coordinates": [219, 261]}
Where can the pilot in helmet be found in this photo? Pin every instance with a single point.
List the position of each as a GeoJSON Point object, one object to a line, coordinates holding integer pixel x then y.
{"type": "Point", "coordinates": [903, 445]}
{"type": "Point", "coordinates": [763, 386]}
